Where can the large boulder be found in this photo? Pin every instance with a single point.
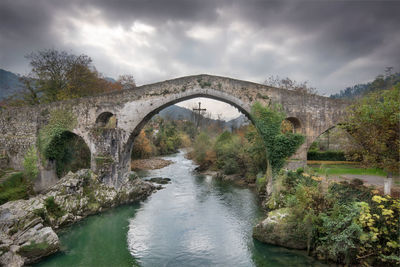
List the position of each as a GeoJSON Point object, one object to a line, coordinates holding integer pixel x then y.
{"type": "Point", "coordinates": [277, 229]}
{"type": "Point", "coordinates": [37, 242]}
{"type": "Point", "coordinates": [23, 237]}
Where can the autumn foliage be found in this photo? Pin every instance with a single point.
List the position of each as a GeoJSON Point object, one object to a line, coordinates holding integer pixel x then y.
{"type": "Point", "coordinates": [58, 75]}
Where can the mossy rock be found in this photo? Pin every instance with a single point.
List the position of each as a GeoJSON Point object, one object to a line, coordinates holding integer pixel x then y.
{"type": "Point", "coordinates": [276, 229]}
{"type": "Point", "coordinates": [34, 249]}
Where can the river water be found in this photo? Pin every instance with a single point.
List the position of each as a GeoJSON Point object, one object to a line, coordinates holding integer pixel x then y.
{"type": "Point", "coordinates": [194, 221]}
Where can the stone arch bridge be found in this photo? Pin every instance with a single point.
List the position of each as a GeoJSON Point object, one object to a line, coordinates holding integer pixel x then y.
{"type": "Point", "coordinates": [111, 147]}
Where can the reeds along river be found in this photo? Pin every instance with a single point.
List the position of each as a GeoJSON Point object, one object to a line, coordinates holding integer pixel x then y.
{"type": "Point", "coordinates": [194, 221]}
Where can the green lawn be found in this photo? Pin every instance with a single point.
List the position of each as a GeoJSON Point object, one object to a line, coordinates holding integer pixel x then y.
{"type": "Point", "coordinates": [341, 169]}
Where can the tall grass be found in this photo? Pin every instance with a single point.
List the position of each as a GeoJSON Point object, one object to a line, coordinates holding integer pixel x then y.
{"type": "Point", "coordinates": [15, 187]}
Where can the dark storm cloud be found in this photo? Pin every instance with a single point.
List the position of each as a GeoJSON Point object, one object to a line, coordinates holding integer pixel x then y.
{"type": "Point", "coordinates": [342, 31]}
{"type": "Point", "coordinates": [330, 43]}
{"type": "Point", "coordinates": [26, 26]}
{"type": "Point", "coordinates": [124, 11]}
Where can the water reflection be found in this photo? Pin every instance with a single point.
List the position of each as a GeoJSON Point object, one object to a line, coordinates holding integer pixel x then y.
{"type": "Point", "coordinates": [199, 221]}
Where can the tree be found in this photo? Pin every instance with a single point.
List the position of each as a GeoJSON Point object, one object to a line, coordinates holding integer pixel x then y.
{"type": "Point", "coordinates": [53, 71]}
{"type": "Point", "coordinates": [289, 84]}
{"type": "Point", "coordinates": [373, 121]}
{"type": "Point", "coordinates": [142, 147]}
{"type": "Point", "coordinates": [127, 81]}
{"type": "Point", "coordinates": [29, 95]}
{"type": "Point", "coordinates": [59, 75]}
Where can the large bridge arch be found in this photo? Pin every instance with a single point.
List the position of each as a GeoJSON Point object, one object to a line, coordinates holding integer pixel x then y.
{"type": "Point", "coordinates": [128, 145]}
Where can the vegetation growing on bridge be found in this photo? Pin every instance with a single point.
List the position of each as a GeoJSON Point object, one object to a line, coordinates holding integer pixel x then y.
{"type": "Point", "coordinates": [57, 142]}
{"type": "Point", "coordinates": [279, 146]}
{"type": "Point", "coordinates": [59, 122]}
{"type": "Point", "coordinates": [31, 163]}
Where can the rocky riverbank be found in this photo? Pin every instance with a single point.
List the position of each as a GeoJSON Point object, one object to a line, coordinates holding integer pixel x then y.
{"type": "Point", "coordinates": [149, 164]}
{"type": "Point", "coordinates": [27, 227]}
{"type": "Point", "coordinates": [276, 230]}
{"type": "Point", "coordinates": [233, 178]}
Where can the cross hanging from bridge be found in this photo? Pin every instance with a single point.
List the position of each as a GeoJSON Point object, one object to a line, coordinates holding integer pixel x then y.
{"type": "Point", "coordinates": [199, 110]}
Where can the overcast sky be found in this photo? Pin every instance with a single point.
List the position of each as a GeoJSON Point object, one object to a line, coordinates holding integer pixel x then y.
{"type": "Point", "coordinates": [332, 44]}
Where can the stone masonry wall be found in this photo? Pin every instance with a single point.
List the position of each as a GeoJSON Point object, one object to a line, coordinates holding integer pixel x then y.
{"type": "Point", "coordinates": [18, 127]}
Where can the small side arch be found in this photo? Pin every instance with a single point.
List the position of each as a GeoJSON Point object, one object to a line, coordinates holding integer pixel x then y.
{"type": "Point", "coordinates": [295, 124]}
{"type": "Point", "coordinates": [68, 152]}
{"type": "Point", "coordinates": [106, 120]}
{"type": "Point", "coordinates": [321, 134]}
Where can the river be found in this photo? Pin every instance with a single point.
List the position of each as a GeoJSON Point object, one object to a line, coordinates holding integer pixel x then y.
{"type": "Point", "coordinates": [194, 221]}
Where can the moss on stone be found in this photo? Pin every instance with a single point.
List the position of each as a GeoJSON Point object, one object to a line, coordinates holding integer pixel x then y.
{"type": "Point", "coordinates": [33, 248]}
{"type": "Point", "coordinates": [262, 96]}
{"type": "Point", "coordinates": [103, 161]}
{"type": "Point", "coordinates": [59, 122]}
{"type": "Point", "coordinates": [278, 229]}
{"type": "Point", "coordinates": [53, 208]}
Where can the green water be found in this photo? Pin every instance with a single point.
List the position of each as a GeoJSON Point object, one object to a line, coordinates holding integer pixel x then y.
{"type": "Point", "coordinates": [98, 240]}
{"type": "Point", "coordinates": [194, 221]}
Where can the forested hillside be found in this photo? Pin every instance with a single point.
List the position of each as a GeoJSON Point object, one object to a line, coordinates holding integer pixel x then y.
{"type": "Point", "coordinates": [175, 112]}
{"type": "Point", "coordinates": [381, 82]}
{"type": "Point", "coordinates": [9, 84]}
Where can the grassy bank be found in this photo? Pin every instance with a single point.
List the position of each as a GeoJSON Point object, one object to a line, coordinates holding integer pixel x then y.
{"type": "Point", "coordinates": [346, 168]}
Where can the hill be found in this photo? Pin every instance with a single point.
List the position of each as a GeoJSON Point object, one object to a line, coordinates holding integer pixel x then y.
{"type": "Point", "coordinates": [179, 113]}
{"type": "Point", "coordinates": [238, 122]}
{"type": "Point", "coordinates": [9, 84]}
{"type": "Point", "coordinates": [380, 83]}
{"type": "Point", "coordinates": [174, 112]}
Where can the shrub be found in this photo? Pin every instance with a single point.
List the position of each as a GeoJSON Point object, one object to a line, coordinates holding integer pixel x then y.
{"type": "Point", "coordinates": [53, 208]}
{"type": "Point", "coordinates": [326, 155]}
{"type": "Point", "coordinates": [346, 225]}
{"type": "Point", "coordinates": [230, 166]}
{"type": "Point", "coordinates": [261, 181]}
{"type": "Point", "coordinates": [31, 170]}
{"type": "Point", "coordinates": [15, 187]}
{"type": "Point", "coordinates": [201, 148]}
{"type": "Point", "coordinates": [339, 234]}
{"type": "Point", "coordinates": [380, 240]}
{"type": "Point", "coordinates": [345, 192]}
{"type": "Point", "coordinates": [142, 147]}
{"type": "Point", "coordinates": [227, 148]}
